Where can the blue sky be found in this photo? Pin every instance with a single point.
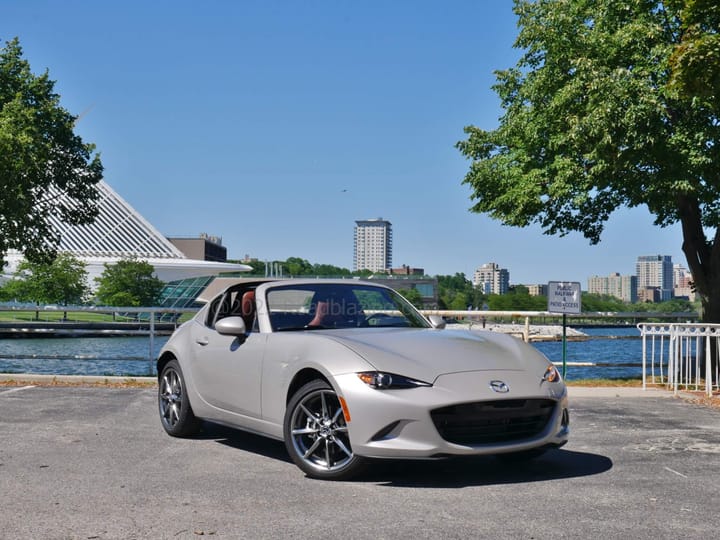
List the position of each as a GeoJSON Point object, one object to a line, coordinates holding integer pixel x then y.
{"type": "Point", "coordinates": [277, 124]}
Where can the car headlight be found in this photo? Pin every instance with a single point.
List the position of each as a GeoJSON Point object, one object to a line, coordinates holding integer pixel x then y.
{"type": "Point", "coordinates": [552, 374]}
{"type": "Point", "coordinates": [389, 381]}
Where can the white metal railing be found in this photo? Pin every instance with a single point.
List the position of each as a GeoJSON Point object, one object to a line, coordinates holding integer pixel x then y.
{"type": "Point", "coordinates": [679, 354]}
{"type": "Point", "coordinates": [481, 316]}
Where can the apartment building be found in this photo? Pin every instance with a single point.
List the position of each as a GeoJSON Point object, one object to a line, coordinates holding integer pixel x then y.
{"type": "Point", "coordinates": [623, 287]}
{"type": "Point", "coordinates": [492, 279]}
{"type": "Point", "coordinates": [373, 245]}
{"type": "Point", "coordinates": [682, 283]}
{"type": "Point", "coordinates": [655, 271]}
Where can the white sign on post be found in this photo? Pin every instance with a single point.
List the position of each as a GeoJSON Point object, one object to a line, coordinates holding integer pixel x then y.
{"type": "Point", "coordinates": [564, 297]}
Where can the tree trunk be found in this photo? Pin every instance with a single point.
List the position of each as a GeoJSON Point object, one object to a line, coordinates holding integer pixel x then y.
{"type": "Point", "coordinates": [710, 314]}
{"type": "Point", "coordinates": [703, 258]}
{"type": "Point", "coordinates": [699, 254]}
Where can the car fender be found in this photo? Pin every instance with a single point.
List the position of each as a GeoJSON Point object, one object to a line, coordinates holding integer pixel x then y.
{"type": "Point", "coordinates": [289, 353]}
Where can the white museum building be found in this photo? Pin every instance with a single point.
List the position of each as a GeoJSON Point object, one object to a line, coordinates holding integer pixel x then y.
{"type": "Point", "coordinates": [120, 232]}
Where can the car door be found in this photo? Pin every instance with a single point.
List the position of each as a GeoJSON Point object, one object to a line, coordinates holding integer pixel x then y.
{"type": "Point", "coordinates": [226, 369]}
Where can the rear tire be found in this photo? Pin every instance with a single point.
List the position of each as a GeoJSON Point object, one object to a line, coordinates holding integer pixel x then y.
{"type": "Point", "coordinates": [176, 414]}
{"type": "Point", "coordinates": [316, 435]}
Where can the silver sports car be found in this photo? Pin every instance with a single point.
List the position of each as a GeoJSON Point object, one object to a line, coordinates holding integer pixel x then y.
{"type": "Point", "coordinates": [346, 370]}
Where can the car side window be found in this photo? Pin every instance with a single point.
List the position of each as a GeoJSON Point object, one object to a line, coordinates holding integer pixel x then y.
{"type": "Point", "coordinates": [219, 309]}
{"type": "Point", "coordinates": [289, 307]}
{"type": "Point", "coordinates": [212, 312]}
{"type": "Point", "coordinates": [243, 305]}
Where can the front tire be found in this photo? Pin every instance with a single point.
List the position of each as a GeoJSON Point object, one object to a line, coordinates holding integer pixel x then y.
{"type": "Point", "coordinates": [176, 414]}
{"type": "Point", "coordinates": [316, 435]}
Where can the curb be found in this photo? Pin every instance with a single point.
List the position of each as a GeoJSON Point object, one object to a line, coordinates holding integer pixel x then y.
{"type": "Point", "coordinates": [616, 391]}
{"type": "Point", "coordinates": [74, 379]}
{"type": "Point", "coordinates": [99, 380]}
{"type": "Point", "coordinates": [115, 381]}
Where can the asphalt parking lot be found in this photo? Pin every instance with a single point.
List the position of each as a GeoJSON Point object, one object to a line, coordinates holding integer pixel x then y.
{"type": "Point", "coordinates": [94, 463]}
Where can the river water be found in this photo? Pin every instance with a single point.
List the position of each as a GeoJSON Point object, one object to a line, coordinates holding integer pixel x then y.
{"type": "Point", "coordinates": [614, 348]}
{"type": "Point", "coordinates": [618, 351]}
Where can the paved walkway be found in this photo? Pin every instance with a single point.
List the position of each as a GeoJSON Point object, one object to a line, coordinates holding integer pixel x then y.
{"type": "Point", "coordinates": [88, 462]}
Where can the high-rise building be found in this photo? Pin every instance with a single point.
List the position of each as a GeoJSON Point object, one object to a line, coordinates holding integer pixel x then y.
{"type": "Point", "coordinates": [373, 245]}
{"type": "Point", "coordinates": [537, 289]}
{"type": "Point", "coordinates": [492, 279]}
{"type": "Point", "coordinates": [655, 271]}
{"type": "Point", "coordinates": [682, 282]}
{"type": "Point", "coordinates": [622, 287]}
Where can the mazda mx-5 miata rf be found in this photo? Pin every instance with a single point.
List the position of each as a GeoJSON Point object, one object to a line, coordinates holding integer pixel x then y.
{"type": "Point", "coordinates": [345, 371]}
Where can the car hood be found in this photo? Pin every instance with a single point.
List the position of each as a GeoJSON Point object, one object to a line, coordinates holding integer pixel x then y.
{"type": "Point", "coordinates": [426, 354]}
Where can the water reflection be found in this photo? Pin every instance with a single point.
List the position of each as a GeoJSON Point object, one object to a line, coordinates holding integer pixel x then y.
{"type": "Point", "coordinates": [129, 356]}
{"type": "Point", "coordinates": [80, 356]}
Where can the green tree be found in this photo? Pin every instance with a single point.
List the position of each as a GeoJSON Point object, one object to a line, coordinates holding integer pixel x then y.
{"type": "Point", "coordinates": [42, 162]}
{"type": "Point", "coordinates": [62, 281]}
{"type": "Point", "coordinates": [365, 273]}
{"type": "Point", "coordinates": [329, 270]}
{"type": "Point", "coordinates": [602, 302]}
{"type": "Point", "coordinates": [413, 296]}
{"type": "Point", "coordinates": [128, 283]}
{"type": "Point", "coordinates": [694, 62]}
{"type": "Point", "coordinates": [459, 302]}
{"type": "Point", "coordinates": [455, 291]}
{"type": "Point", "coordinates": [591, 124]}
{"type": "Point", "coordinates": [516, 302]}
{"type": "Point", "coordinates": [295, 266]}
{"type": "Point", "coordinates": [519, 289]}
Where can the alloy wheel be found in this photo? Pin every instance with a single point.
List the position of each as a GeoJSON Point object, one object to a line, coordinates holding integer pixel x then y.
{"type": "Point", "coordinates": [171, 395]}
{"type": "Point", "coordinates": [319, 433]}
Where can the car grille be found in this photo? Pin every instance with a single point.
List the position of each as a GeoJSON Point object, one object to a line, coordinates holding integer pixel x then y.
{"type": "Point", "coordinates": [490, 422]}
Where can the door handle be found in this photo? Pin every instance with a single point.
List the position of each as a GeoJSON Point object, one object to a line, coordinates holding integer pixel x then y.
{"type": "Point", "coordinates": [202, 341]}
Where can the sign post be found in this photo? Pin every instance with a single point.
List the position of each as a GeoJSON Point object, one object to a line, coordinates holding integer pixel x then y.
{"type": "Point", "coordinates": [564, 297]}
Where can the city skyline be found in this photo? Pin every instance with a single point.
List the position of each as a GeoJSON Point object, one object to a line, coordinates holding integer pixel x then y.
{"type": "Point", "coordinates": [502, 276]}
{"type": "Point", "coordinates": [275, 125]}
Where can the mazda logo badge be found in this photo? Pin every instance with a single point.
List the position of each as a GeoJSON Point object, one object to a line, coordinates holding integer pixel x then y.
{"type": "Point", "coordinates": [500, 387]}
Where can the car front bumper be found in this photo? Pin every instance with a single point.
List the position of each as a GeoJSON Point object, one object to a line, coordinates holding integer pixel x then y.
{"type": "Point", "coordinates": [472, 417]}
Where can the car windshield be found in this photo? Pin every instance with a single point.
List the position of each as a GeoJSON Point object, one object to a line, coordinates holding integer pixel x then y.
{"type": "Point", "coordinates": [319, 306]}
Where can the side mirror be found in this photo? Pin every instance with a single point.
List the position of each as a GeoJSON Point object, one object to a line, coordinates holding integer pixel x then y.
{"type": "Point", "coordinates": [231, 326]}
{"type": "Point", "coordinates": [436, 321]}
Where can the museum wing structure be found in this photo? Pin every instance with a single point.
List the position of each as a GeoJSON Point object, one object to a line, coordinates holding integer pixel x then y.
{"type": "Point", "coordinates": [120, 232]}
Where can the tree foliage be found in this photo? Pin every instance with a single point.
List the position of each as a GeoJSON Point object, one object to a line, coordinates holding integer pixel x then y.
{"type": "Point", "coordinates": [413, 296]}
{"type": "Point", "coordinates": [517, 301]}
{"type": "Point", "coordinates": [592, 123]}
{"type": "Point", "coordinates": [62, 281]}
{"type": "Point", "coordinates": [297, 266]}
{"type": "Point", "coordinates": [455, 292]}
{"type": "Point", "coordinates": [128, 283]}
{"type": "Point", "coordinates": [41, 162]}
{"type": "Point", "coordinates": [604, 303]}
{"type": "Point", "coordinates": [694, 62]}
